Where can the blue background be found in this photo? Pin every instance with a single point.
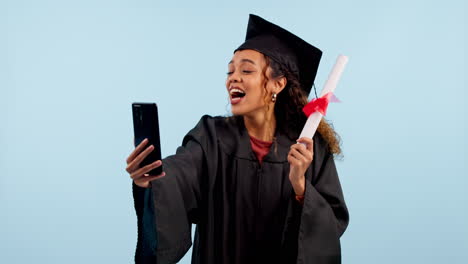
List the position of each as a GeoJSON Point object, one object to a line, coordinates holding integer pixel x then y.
{"type": "Point", "coordinates": [69, 72]}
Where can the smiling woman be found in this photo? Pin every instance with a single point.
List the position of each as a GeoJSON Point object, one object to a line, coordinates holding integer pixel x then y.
{"type": "Point", "coordinates": [255, 195]}
{"type": "Point", "coordinates": [246, 77]}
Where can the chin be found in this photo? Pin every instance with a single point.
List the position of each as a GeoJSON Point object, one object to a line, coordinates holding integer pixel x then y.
{"type": "Point", "coordinates": [237, 112]}
{"type": "Point", "coordinates": [240, 112]}
{"type": "Point", "coordinates": [244, 110]}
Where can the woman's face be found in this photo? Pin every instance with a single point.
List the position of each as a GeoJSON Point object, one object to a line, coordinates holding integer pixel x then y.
{"type": "Point", "coordinates": [245, 82]}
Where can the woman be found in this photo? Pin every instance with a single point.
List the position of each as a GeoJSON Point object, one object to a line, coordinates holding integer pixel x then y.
{"type": "Point", "coordinates": [255, 194]}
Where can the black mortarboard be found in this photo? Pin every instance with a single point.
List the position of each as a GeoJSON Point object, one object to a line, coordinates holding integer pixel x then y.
{"type": "Point", "coordinates": [287, 49]}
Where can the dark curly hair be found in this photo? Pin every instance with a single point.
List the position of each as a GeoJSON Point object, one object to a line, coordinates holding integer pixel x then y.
{"type": "Point", "coordinates": [288, 108]}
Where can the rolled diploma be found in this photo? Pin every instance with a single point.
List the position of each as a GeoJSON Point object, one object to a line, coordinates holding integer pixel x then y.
{"type": "Point", "coordinates": [314, 119]}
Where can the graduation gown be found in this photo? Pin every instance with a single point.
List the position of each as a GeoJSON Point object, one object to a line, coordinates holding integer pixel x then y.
{"type": "Point", "coordinates": [245, 212]}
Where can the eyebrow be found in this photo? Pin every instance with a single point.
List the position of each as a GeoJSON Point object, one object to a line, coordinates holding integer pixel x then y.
{"type": "Point", "coordinates": [243, 60]}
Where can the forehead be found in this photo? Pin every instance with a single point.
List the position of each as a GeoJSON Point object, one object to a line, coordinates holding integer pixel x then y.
{"type": "Point", "coordinates": [247, 55]}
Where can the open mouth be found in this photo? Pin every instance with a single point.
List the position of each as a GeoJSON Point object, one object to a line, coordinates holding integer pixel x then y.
{"type": "Point", "coordinates": [236, 95]}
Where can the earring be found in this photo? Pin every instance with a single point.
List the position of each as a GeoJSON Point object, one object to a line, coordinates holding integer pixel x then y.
{"type": "Point", "coordinates": [273, 97]}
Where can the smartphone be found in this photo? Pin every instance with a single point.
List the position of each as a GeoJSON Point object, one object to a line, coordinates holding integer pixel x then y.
{"type": "Point", "coordinates": [146, 125]}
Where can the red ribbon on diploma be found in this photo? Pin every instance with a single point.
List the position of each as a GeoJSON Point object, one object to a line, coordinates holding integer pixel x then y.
{"type": "Point", "coordinates": [320, 104]}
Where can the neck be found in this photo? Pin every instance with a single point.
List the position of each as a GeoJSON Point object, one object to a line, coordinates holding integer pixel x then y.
{"type": "Point", "coordinates": [261, 125]}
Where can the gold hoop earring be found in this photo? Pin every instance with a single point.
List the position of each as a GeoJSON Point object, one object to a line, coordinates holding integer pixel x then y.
{"type": "Point", "coordinates": [273, 97]}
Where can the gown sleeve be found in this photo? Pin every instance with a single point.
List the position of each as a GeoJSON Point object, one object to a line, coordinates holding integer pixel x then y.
{"type": "Point", "coordinates": [146, 241]}
{"type": "Point", "coordinates": [323, 217]}
{"type": "Point", "coordinates": [167, 210]}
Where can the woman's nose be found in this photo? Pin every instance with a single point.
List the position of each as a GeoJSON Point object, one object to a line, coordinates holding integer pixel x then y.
{"type": "Point", "coordinates": [234, 77]}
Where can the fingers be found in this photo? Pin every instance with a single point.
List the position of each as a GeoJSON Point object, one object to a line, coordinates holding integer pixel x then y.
{"type": "Point", "coordinates": [153, 177]}
{"type": "Point", "coordinates": [136, 162]}
{"type": "Point", "coordinates": [302, 150]}
{"type": "Point", "coordinates": [301, 154]}
{"type": "Point", "coordinates": [143, 170]}
{"type": "Point", "coordinates": [140, 175]}
{"type": "Point", "coordinates": [137, 150]}
{"type": "Point", "coordinates": [308, 142]}
{"type": "Point", "coordinates": [298, 156]}
{"type": "Point", "coordinates": [144, 180]}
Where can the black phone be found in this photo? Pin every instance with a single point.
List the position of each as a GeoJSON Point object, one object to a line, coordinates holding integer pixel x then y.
{"type": "Point", "coordinates": [146, 125]}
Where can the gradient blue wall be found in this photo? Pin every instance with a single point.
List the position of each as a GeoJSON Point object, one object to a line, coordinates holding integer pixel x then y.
{"type": "Point", "coordinates": [69, 71]}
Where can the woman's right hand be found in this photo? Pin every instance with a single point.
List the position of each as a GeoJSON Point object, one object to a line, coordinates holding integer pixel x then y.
{"type": "Point", "coordinates": [140, 175]}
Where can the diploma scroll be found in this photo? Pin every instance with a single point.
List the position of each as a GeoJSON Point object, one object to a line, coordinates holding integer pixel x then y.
{"type": "Point", "coordinates": [314, 118]}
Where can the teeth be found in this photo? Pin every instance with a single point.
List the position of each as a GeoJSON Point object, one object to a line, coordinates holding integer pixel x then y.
{"type": "Point", "coordinates": [235, 90]}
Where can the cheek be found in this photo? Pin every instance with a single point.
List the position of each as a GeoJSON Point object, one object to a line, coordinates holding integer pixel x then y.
{"type": "Point", "coordinates": [256, 97]}
{"type": "Point", "coordinates": [256, 87]}
{"type": "Point", "coordinates": [261, 92]}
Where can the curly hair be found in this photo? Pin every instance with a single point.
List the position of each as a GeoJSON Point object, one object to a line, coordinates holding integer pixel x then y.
{"type": "Point", "coordinates": [288, 108]}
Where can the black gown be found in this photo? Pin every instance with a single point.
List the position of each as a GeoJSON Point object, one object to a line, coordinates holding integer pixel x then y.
{"type": "Point", "coordinates": [244, 212]}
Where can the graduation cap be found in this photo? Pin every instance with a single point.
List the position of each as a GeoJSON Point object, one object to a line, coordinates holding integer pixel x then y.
{"type": "Point", "coordinates": [287, 49]}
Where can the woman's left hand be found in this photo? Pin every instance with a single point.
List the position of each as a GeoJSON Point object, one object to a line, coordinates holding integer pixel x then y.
{"type": "Point", "coordinates": [300, 157]}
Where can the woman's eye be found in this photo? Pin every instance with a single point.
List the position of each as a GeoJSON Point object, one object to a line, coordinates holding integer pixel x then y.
{"type": "Point", "coordinates": [244, 71]}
